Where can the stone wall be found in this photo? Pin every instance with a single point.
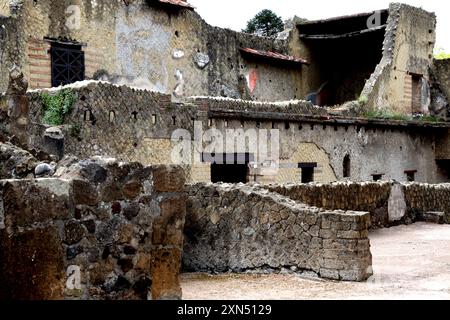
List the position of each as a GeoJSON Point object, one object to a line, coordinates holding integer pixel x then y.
{"type": "Point", "coordinates": [104, 122]}
{"type": "Point", "coordinates": [389, 203]}
{"type": "Point", "coordinates": [441, 72]}
{"type": "Point", "coordinates": [242, 228]}
{"type": "Point", "coordinates": [429, 201]}
{"type": "Point", "coordinates": [369, 197]}
{"type": "Point", "coordinates": [98, 229]}
{"type": "Point", "coordinates": [407, 51]}
{"type": "Point", "coordinates": [165, 49]}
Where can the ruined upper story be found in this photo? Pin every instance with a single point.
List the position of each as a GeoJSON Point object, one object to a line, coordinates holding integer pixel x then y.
{"type": "Point", "coordinates": [149, 44]}
{"type": "Point", "coordinates": [378, 60]}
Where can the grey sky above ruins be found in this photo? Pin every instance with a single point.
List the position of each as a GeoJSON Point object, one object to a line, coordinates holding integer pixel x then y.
{"type": "Point", "coordinates": [234, 14]}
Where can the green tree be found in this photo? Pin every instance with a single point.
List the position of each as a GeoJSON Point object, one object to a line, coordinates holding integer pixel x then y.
{"type": "Point", "coordinates": [266, 24]}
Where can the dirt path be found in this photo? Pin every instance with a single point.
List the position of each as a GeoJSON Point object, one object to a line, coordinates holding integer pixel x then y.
{"type": "Point", "coordinates": [410, 262]}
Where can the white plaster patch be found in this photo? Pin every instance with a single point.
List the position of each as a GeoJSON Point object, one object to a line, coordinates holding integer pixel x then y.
{"type": "Point", "coordinates": [177, 54]}
{"type": "Point", "coordinates": [202, 60]}
{"type": "Point", "coordinates": [396, 204]}
{"type": "Point", "coordinates": [179, 88]}
{"type": "Point", "coordinates": [143, 47]}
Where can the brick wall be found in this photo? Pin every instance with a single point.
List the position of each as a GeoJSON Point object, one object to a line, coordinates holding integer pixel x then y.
{"type": "Point", "coordinates": [40, 64]}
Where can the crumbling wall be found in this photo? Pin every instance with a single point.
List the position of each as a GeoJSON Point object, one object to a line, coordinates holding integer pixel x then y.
{"type": "Point", "coordinates": [407, 52]}
{"type": "Point", "coordinates": [104, 122]}
{"type": "Point", "coordinates": [441, 87]}
{"type": "Point", "coordinates": [102, 230]}
{"type": "Point", "coordinates": [239, 228]}
{"type": "Point", "coordinates": [165, 49]}
{"type": "Point", "coordinates": [11, 46]}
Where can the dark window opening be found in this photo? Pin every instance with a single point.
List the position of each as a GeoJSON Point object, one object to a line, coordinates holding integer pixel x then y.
{"type": "Point", "coordinates": [346, 166]}
{"type": "Point", "coordinates": [411, 175]}
{"type": "Point", "coordinates": [377, 177]}
{"type": "Point", "coordinates": [134, 115]}
{"type": "Point", "coordinates": [307, 171]}
{"type": "Point", "coordinates": [416, 93]}
{"type": "Point", "coordinates": [287, 125]}
{"type": "Point", "coordinates": [68, 63]}
{"type": "Point", "coordinates": [444, 168]}
{"type": "Point", "coordinates": [229, 168]}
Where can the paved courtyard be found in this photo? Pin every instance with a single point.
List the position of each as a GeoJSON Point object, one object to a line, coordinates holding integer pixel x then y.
{"type": "Point", "coordinates": [409, 262]}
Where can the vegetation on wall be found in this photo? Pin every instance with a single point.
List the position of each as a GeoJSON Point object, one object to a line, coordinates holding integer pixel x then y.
{"type": "Point", "coordinates": [57, 106]}
{"type": "Point", "coordinates": [387, 115]}
{"type": "Point", "coordinates": [266, 24]}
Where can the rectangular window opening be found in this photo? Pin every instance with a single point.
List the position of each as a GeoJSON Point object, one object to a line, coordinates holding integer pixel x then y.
{"type": "Point", "coordinates": [68, 63]}
{"type": "Point", "coordinates": [307, 174]}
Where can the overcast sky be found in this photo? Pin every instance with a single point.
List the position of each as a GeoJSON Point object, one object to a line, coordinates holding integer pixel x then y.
{"type": "Point", "coordinates": [234, 14]}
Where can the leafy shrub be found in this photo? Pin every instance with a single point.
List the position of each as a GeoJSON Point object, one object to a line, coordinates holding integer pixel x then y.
{"type": "Point", "coordinates": [56, 107]}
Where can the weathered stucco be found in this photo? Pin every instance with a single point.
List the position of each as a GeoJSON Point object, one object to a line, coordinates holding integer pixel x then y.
{"type": "Point", "coordinates": [151, 47]}
{"type": "Point", "coordinates": [407, 51]}
{"type": "Point", "coordinates": [141, 131]}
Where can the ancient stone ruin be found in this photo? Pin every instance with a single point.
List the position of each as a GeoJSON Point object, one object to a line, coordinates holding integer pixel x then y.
{"type": "Point", "coordinates": [166, 145]}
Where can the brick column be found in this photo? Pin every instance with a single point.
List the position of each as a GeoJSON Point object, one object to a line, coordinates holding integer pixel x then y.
{"type": "Point", "coordinates": [40, 64]}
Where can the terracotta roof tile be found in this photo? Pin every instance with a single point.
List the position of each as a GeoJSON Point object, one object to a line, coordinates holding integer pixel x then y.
{"type": "Point", "coordinates": [274, 55]}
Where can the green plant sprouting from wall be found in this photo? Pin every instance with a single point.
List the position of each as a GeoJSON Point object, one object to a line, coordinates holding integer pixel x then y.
{"type": "Point", "coordinates": [57, 106]}
{"type": "Point", "coordinates": [387, 115]}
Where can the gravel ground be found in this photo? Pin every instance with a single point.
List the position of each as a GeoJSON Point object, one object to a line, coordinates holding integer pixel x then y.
{"type": "Point", "coordinates": [409, 262]}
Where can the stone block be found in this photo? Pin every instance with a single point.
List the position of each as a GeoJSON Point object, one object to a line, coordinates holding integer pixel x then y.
{"type": "Point", "coordinates": [168, 178]}
{"type": "Point", "coordinates": [32, 265]}
{"type": "Point", "coordinates": [349, 234]}
{"type": "Point", "coordinates": [329, 274]}
{"type": "Point", "coordinates": [165, 268]}
{"type": "Point", "coordinates": [84, 193]}
{"type": "Point", "coordinates": [433, 217]}
{"type": "Point", "coordinates": [168, 227]}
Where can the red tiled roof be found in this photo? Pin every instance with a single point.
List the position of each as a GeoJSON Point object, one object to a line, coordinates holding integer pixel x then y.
{"type": "Point", "coordinates": [274, 55]}
{"type": "Point", "coordinates": [179, 3]}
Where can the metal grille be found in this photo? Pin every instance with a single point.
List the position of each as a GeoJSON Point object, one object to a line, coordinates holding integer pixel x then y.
{"type": "Point", "coordinates": [67, 64]}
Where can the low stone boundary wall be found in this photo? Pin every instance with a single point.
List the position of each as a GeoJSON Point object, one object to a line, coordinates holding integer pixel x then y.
{"type": "Point", "coordinates": [99, 231]}
{"type": "Point", "coordinates": [243, 227]}
{"type": "Point", "coordinates": [370, 197]}
{"type": "Point", "coordinates": [429, 202]}
{"type": "Point", "coordinates": [389, 203]}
